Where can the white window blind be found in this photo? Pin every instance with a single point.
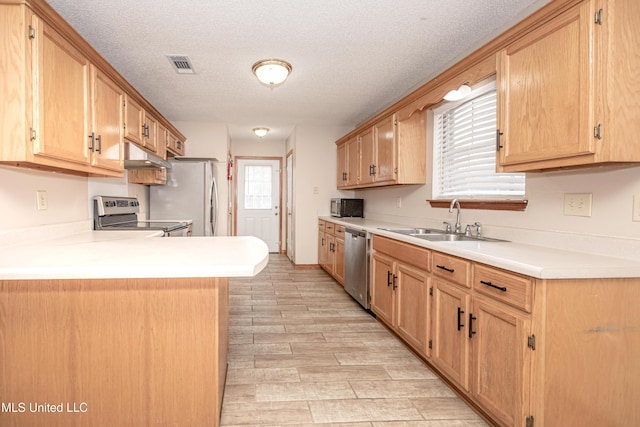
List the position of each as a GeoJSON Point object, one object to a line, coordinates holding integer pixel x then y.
{"type": "Point", "coordinates": [464, 158]}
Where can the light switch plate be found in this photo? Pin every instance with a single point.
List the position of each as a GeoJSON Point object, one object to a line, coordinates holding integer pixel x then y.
{"type": "Point", "coordinates": [41, 200]}
{"type": "Point", "coordinates": [577, 204]}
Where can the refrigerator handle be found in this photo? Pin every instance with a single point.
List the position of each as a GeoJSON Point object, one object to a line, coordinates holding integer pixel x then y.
{"type": "Point", "coordinates": [213, 206]}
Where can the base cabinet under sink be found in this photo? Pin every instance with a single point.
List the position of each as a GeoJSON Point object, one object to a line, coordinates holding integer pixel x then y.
{"type": "Point", "coordinates": [523, 351]}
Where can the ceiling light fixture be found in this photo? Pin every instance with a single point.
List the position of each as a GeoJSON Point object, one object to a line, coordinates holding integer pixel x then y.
{"type": "Point", "coordinates": [457, 94]}
{"type": "Point", "coordinates": [260, 132]}
{"type": "Point", "coordinates": [272, 72]}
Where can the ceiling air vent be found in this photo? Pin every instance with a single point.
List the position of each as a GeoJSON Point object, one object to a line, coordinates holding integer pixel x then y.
{"type": "Point", "coordinates": [181, 64]}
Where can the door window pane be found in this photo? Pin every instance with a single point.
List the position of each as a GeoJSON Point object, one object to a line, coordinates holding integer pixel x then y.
{"type": "Point", "coordinates": [257, 187]}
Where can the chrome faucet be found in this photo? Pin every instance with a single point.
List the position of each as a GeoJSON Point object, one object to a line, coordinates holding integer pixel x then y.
{"type": "Point", "coordinates": [455, 203]}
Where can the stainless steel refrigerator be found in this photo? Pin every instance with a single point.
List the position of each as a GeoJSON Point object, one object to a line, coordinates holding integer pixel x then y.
{"type": "Point", "coordinates": [190, 193]}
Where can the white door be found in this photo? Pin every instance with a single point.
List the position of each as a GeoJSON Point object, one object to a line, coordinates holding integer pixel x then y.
{"type": "Point", "coordinates": [289, 208]}
{"type": "Point", "coordinates": [259, 200]}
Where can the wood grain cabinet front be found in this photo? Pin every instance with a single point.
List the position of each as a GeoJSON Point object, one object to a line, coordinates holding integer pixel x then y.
{"type": "Point", "coordinates": [392, 151]}
{"type": "Point", "coordinates": [331, 255]}
{"type": "Point", "coordinates": [80, 135]}
{"type": "Point", "coordinates": [567, 95]}
{"type": "Point", "coordinates": [401, 289]}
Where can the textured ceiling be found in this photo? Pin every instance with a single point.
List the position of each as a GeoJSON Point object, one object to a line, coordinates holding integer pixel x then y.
{"type": "Point", "coordinates": [350, 58]}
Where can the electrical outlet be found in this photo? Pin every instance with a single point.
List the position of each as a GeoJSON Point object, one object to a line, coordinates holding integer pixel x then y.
{"type": "Point", "coordinates": [398, 202]}
{"type": "Point", "coordinates": [636, 207]}
{"type": "Point", "coordinates": [577, 204]}
{"type": "Point", "coordinates": [316, 190]}
{"type": "Point", "coordinates": [41, 200]}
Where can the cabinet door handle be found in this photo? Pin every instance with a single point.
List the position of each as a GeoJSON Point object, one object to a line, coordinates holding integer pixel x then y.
{"type": "Point", "coordinates": [93, 141]}
{"type": "Point", "coordinates": [99, 139]}
{"type": "Point", "coordinates": [501, 288]}
{"type": "Point", "coordinates": [471, 319]}
{"type": "Point", "coordinates": [498, 134]}
{"type": "Point", "coordinates": [388, 278]}
{"type": "Point", "coordinates": [460, 313]}
{"type": "Point", "coordinates": [323, 241]}
{"type": "Point", "coordinates": [442, 267]}
{"type": "Point", "coordinates": [394, 282]}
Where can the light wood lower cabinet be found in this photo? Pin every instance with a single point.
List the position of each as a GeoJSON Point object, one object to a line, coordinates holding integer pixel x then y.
{"type": "Point", "coordinates": [131, 352]}
{"type": "Point", "coordinates": [450, 343]}
{"type": "Point", "coordinates": [331, 255]}
{"type": "Point", "coordinates": [400, 290]}
{"type": "Point", "coordinates": [526, 351]}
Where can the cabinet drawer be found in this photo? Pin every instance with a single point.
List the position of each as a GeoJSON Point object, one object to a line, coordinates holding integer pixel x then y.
{"type": "Point", "coordinates": [339, 231]}
{"type": "Point", "coordinates": [321, 225]}
{"type": "Point", "coordinates": [408, 254]}
{"type": "Point", "coordinates": [453, 269]}
{"type": "Point", "coordinates": [329, 227]}
{"type": "Point", "coordinates": [507, 287]}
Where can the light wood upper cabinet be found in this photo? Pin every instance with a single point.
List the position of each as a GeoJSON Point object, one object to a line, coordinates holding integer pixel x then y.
{"type": "Point", "coordinates": [176, 146]}
{"type": "Point", "coordinates": [385, 149]}
{"type": "Point", "coordinates": [135, 129]}
{"type": "Point", "coordinates": [59, 112]}
{"type": "Point", "coordinates": [61, 94]}
{"type": "Point", "coordinates": [63, 105]}
{"type": "Point", "coordinates": [107, 122]}
{"type": "Point", "coordinates": [151, 136]}
{"type": "Point", "coordinates": [566, 92]}
{"type": "Point", "coordinates": [392, 151]}
{"type": "Point", "coordinates": [367, 158]}
{"type": "Point", "coordinates": [348, 163]}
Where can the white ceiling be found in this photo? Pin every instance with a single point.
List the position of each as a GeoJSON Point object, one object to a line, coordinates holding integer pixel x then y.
{"type": "Point", "coordinates": [351, 59]}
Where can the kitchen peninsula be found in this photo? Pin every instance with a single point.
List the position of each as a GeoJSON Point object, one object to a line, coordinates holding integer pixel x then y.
{"type": "Point", "coordinates": [102, 328]}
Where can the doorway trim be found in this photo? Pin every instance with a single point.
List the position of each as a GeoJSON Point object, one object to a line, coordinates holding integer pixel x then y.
{"type": "Point", "coordinates": [289, 209]}
{"type": "Point", "coordinates": [235, 193]}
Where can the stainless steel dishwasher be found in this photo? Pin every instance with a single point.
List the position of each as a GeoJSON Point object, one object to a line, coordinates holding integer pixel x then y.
{"type": "Point", "coordinates": [356, 270]}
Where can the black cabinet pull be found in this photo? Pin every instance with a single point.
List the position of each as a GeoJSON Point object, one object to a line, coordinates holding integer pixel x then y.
{"type": "Point", "coordinates": [471, 331]}
{"type": "Point", "coordinates": [388, 278]}
{"type": "Point", "coordinates": [373, 168]}
{"type": "Point", "coordinates": [501, 288]}
{"type": "Point", "coordinates": [498, 134]}
{"type": "Point", "coordinates": [442, 267]}
{"type": "Point", "coordinates": [99, 139]}
{"type": "Point", "coordinates": [93, 142]}
{"type": "Point", "coordinates": [394, 282]}
{"type": "Point", "coordinates": [460, 313]}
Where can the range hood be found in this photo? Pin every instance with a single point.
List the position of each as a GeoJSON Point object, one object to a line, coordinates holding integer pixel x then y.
{"type": "Point", "coordinates": [137, 158]}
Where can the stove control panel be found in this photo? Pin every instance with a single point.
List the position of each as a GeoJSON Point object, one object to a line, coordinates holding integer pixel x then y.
{"type": "Point", "coordinates": [111, 205]}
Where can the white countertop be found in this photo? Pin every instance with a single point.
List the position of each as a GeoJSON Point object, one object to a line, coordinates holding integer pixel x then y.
{"type": "Point", "coordinates": [535, 261]}
{"type": "Point", "coordinates": [132, 254]}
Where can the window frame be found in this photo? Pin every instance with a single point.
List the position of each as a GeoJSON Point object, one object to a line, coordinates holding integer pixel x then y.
{"type": "Point", "coordinates": [488, 202]}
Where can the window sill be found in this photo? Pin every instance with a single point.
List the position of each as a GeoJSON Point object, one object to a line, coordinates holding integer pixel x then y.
{"type": "Point", "coordinates": [494, 205]}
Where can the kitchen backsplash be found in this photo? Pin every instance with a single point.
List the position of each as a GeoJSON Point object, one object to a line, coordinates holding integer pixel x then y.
{"type": "Point", "coordinates": [609, 231]}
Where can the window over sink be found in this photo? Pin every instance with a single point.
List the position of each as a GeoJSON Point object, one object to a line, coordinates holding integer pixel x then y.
{"type": "Point", "coordinates": [464, 150]}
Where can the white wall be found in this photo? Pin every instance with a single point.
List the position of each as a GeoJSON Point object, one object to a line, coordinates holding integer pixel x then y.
{"type": "Point", "coordinates": [67, 198]}
{"type": "Point", "coordinates": [315, 183]}
{"type": "Point", "coordinates": [610, 229]}
{"type": "Point", "coordinates": [211, 140]}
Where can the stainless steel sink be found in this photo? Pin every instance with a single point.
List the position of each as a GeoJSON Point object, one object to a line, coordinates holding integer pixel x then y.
{"type": "Point", "coordinates": [413, 231]}
{"type": "Point", "coordinates": [434, 235]}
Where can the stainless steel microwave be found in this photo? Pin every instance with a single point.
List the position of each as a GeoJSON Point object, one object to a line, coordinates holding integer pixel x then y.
{"type": "Point", "coordinates": [347, 208]}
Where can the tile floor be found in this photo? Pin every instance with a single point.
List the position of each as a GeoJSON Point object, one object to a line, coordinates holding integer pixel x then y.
{"type": "Point", "coordinates": [303, 353]}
